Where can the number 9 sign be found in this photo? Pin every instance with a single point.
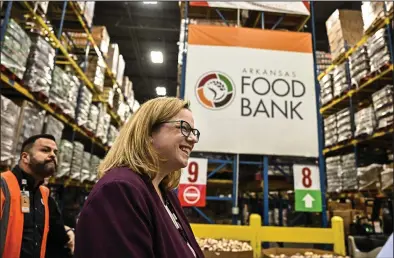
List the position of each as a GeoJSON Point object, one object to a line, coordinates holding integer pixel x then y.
{"type": "Point", "coordinates": [195, 172]}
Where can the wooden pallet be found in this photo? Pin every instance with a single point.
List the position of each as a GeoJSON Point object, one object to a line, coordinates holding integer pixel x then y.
{"type": "Point", "coordinates": [380, 70]}
{"type": "Point", "coordinates": [40, 96]}
{"type": "Point", "coordinates": [11, 75]}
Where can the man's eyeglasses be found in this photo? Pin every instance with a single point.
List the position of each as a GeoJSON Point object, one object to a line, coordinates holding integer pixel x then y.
{"type": "Point", "coordinates": [186, 129]}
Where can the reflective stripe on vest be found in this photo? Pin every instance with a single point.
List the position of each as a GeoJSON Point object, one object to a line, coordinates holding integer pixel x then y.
{"type": "Point", "coordinates": [14, 228]}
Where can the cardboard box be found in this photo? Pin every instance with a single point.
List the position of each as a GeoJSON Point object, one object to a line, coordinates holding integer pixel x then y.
{"type": "Point", "coordinates": [113, 58]}
{"type": "Point", "coordinates": [292, 251]}
{"type": "Point", "coordinates": [211, 254]}
{"type": "Point", "coordinates": [347, 216]}
{"type": "Point", "coordinates": [344, 28]}
{"type": "Point", "coordinates": [120, 70]}
{"type": "Point", "coordinates": [333, 205]}
{"type": "Point", "coordinates": [101, 37]}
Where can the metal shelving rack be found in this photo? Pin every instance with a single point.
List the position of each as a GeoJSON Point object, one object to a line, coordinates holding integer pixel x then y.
{"type": "Point", "coordinates": [234, 159]}
{"type": "Point", "coordinates": [71, 19]}
{"type": "Point", "coordinates": [367, 87]}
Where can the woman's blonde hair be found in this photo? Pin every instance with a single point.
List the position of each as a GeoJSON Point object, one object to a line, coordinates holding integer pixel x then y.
{"type": "Point", "coordinates": [132, 148]}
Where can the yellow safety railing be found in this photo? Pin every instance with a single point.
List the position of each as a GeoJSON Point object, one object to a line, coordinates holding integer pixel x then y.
{"type": "Point", "coordinates": [255, 234]}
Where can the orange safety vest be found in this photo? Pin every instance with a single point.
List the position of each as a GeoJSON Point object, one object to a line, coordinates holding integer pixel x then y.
{"type": "Point", "coordinates": [11, 216]}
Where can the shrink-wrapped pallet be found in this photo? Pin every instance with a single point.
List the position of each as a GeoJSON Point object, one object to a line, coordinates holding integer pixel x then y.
{"type": "Point", "coordinates": [348, 172]}
{"type": "Point", "coordinates": [326, 89]}
{"type": "Point", "coordinates": [96, 71]}
{"type": "Point", "coordinates": [9, 120]}
{"type": "Point", "coordinates": [120, 70]}
{"type": "Point", "coordinates": [333, 165]}
{"type": "Point", "coordinates": [383, 106]}
{"type": "Point", "coordinates": [40, 64]}
{"type": "Point", "coordinates": [102, 39]}
{"type": "Point", "coordinates": [54, 127]}
{"type": "Point", "coordinates": [112, 134]}
{"type": "Point", "coordinates": [76, 165]}
{"type": "Point", "coordinates": [113, 57]}
{"type": "Point", "coordinates": [379, 50]}
{"type": "Point", "coordinates": [340, 80]}
{"type": "Point", "coordinates": [330, 130]}
{"type": "Point", "coordinates": [344, 125]}
{"type": "Point", "coordinates": [64, 158]}
{"type": "Point", "coordinates": [85, 101]}
{"type": "Point", "coordinates": [365, 121]}
{"type": "Point", "coordinates": [94, 163]}
{"type": "Point", "coordinates": [372, 11]}
{"type": "Point", "coordinates": [85, 171]}
{"type": "Point", "coordinates": [93, 118]}
{"type": "Point", "coordinates": [15, 49]}
{"type": "Point", "coordinates": [359, 65]}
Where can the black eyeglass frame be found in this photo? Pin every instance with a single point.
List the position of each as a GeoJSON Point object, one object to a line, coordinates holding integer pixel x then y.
{"type": "Point", "coordinates": [187, 128]}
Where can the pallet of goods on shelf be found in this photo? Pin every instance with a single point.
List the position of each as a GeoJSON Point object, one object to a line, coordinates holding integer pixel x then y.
{"type": "Point", "coordinates": [117, 101]}
{"type": "Point", "coordinates": [127, 87]}
{"type": "Point", "coordinates": [15, 49]}
{"type": "Point", "coordinates": [108, 96]}
{"type": "Point", "coordinates": [383, 106]}
{"type": "Point", "coordinates": [76, 165]}
{"type": "Point", "coordinates": [113, 58]}
{"type": "Point", "coordinates": [88, 12]}
{"type": "Point", "coordinates": [359, 65]}
{"type": "Point", "coordinates": [348, 172]}
{"type": "Point", "coordinates": [378, 50]}
{"type": "Point", "coordinates": [96, 71]}
{"type": "Point", "coordinates": [94, 163]}
{"type": "Point", "coordinates": [85, 101]}
{"type": "Point", "coordinates": [64, 158]}
{"type": "Point", "coordinates": [333, 165]}
{"type": "Point", "coordinates": [103, 124]}
{"type": "Point", "coordinates": [54, 127]}
{"type": "Point", "coordinates": [102, 39]}
{"type": "Point", "coordinates": [365, 122]}
{"type": "Point", "coordinates": [344, 125]}
{"type": "Point", "coordinates": [368, 177]}
{"type": "Point", "coordinates": [120, 70]}
{"type": "Point", "coordinates": [331, 130]}
{"type": "Point", "coordinates": [64, 92]}
{"type": "Point", "coordinates": [40, 65]}
{"type": "Point", "coordinates": [326, 88]}
{"type": "Point", "coordinates": [85, 171]}
{"type": "Point", "coordinates": [91, 124]}
{"type": "Point", "coordinates": [323, 60]}
{"type": "Point", "coordinates": [9, 121]}
{"type": "Point", "coordinates": [387, 176]}
{"type": "Point", "coordinates": [372, 11]}
{"type": "Point", "coordinates": [31, 122]}
{"type": "Point", "coordinates": [340, 78]}
{"type": "Point", "coordinates": [112, 133]}
{"type": "Point", "coordinates": [344, 29]}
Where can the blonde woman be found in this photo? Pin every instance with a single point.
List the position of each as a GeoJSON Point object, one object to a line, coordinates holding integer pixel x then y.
{"type": "Point", "coordinates": [132, 211]}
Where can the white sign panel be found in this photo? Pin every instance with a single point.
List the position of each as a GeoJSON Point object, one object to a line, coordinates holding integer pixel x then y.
{"type": "Point", "coordinates": [306, 177]}
{"type": "Point", "coordinates": [195, 173]}
{"type": "Point", "coordinates": [252, 100]}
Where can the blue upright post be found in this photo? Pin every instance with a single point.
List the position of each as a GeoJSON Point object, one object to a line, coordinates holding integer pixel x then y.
{"type": "Point", "coordinates": [184, 54]}
{"type": "Point", "coordinates": [322, 167]}
{"type": "Point", "coordinates": [235, 210]}
{"type": "Point", "coordinates": [60, 30]}
{"type": "Point", "coordinates": [5, 21]}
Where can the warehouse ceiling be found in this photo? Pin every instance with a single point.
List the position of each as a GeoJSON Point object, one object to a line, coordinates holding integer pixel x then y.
{"type": "Point", "coordinates": [139, 28]}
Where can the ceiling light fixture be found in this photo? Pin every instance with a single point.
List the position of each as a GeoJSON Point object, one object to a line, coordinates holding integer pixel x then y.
{"type": "Point", "coordinates": [157, 57]}
{"type": "Point", "coordinates": [161, 91]}
{"type": "Point", "coordinates": [150, 2]}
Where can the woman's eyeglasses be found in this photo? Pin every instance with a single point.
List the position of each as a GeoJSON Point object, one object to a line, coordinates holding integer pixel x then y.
{"type": "Point", "coordinates": [186, 129]}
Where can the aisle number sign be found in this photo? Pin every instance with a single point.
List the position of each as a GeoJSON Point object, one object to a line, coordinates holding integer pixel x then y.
{"type": "Point", "coordinates": [193, 183]}
{"type": "Point", "coordinates": [307, 188]}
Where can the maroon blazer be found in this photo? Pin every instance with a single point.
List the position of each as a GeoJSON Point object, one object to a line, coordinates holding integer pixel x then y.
{"type": "Point", "coordinates": [124, 217]}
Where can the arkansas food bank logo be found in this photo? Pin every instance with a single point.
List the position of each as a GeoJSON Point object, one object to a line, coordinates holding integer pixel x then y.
{"type": "Point", "coordinates": [215, 90]}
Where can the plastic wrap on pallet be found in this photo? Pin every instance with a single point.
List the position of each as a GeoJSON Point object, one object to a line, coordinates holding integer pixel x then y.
{"type": "Point", "coordinates": [389, 6]}
{"type": "Point", "coordinates": [113, 57]}
{"type": "Point", "coordinates": [368, 177]}
{"type": "Point", "coordinates": [85, 100]}
{"type": "Point", "coordinates": [359, 65]}
{"type": "Point", "coordinates": [326, 89]}
{"type": "Point", "coordinates": [112, 134]}
{"type": "Point", "coordinates": [77, 159]}
{"type": "Point", "coordinates": [64, 158]}
{"type": "Point", "coordinates": [324, 60]}
{"type": "Point", "coordinates": [108, 96]}
{"type": "Point", "coordinates": [85, 171]}
{"type": "Point", "coordinates": [40, 64]}
{"type": "Point", "coordinates": [333, 165]}
{"type": "Point", "coordinates": [348, 172]}
{"type": "Point", "coordinates": [102, 39]}
{"type": "Point", "coordinates": [387, 176]}
{"type": "Point", "coordinates": [9, 120]}
{"type": "Point", "coordinates": [89, 12]}
{"type": "Point", "coordinates": [330, 130]}
{"type": "Point", "coordinates": [340, 78]}
{"type": "Point", "coordinates": [383, 106]}
{"type": "Point", "coordinates": [120, 70]}
{"type": "Point", "coordinates": [94, 163]}
{"type": "Point", "coordinates": [365, 121]}
{"type": "Point", "coordinates": [102, 129]}
{"type": "Point", "coordinates": [15, 49]}
{"type": "Point", "coordinates": [54, 127]}
{"type": "Point", "coordinates": [33, 119]}
{"type": "Point", "coordinates": [378, 49]}
{"type": "Point", "coordinates": [93, 118]}
{"type": "Point", "coordinates": [371, 12]}
{"type": "Point", "coordinates": [344, 125]}
{"type": "Point", "coordinates": [117, 101]}
{"type": "Point", "coordinates": [127, 87]}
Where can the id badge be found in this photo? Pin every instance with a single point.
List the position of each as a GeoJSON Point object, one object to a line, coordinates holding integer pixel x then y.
{"type": "Point", "coordinates": [25, 201]}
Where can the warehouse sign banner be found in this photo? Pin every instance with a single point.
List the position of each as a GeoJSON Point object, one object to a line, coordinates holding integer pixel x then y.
{"type": "Point", "coordinates": [252, 91]}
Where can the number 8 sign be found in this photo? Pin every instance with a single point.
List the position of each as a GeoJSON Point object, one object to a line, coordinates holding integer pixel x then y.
{"type": "Point", "coordinates": [306, 177]}
{"type": "Point", "coordinates": [193, 182]}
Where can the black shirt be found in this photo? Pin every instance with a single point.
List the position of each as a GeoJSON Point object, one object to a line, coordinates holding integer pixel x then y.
{"type": "Point", "coordinates": [33, 226]}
